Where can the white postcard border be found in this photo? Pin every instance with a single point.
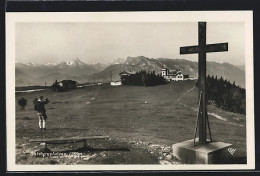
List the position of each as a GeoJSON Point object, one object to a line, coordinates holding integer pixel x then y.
{"type": "Point", "coordinates": [181, 16]}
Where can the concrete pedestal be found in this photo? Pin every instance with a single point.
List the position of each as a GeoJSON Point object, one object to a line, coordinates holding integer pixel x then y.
{"type": "Point", "coordinates": [210, 153]}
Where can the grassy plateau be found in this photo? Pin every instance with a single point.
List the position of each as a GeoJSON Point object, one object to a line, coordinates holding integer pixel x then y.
{"type": "Point", "coordinates": [142, 123]}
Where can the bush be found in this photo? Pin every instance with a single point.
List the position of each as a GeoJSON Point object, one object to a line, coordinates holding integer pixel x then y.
{"type": "Point", "coordinates": [22, 102]}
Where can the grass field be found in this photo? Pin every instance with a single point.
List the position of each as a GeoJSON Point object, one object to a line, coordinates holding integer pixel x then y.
{"type": "Point", "coordinates": [142, 122]}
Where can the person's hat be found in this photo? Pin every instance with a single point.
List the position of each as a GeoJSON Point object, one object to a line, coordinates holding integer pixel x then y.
{"type": "Point", "coordinates": [41, 96]}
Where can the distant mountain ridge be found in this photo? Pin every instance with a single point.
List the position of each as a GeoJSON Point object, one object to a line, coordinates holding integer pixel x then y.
{"type": "Point", "coordinates": [82, 72]}
{"type": "Point", "coordinates": [227, 71]}
{"type": "Point", "coordinates": [36, 74]}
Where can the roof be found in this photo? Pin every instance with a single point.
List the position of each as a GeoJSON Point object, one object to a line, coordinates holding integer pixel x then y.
{"type": "Point", "coordinates": [177, 71]}
{"type": "Point", "coordinates": [66, 81]}
{"type": "Point", "coordinates": [127, 73]}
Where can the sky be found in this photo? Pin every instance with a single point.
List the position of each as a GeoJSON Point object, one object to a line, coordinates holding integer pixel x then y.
{"type": "Point", "coordinates": [102, 42]}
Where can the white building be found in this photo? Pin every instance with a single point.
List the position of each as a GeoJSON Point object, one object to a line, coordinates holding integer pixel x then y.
{"type": "Point", "coordinates": [172, 75]}
{"type": "Point", "coordinates": [115, 83]}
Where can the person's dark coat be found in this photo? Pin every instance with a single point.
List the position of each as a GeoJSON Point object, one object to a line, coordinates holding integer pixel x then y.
{"type": "Point", "coordinates": [39, 105]}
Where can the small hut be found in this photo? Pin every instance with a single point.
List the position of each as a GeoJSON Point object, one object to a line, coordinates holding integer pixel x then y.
{"type": "Point", "coordinates": [64, 85]}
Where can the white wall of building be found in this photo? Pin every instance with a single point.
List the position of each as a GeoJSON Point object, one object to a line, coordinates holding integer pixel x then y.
{"type": "Point", "coordinates": [178, 77]}
{"type": "Point", "coordinates": [115, 83]}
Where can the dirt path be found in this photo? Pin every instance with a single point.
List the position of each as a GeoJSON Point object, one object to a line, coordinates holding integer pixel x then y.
{"type": "Point", "coordinates": [217, 116]}
{"type": "Point", "coordinates": [183, 95]}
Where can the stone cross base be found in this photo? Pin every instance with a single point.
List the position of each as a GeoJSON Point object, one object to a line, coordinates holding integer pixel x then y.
{"type": "Point", "coordinates": [210, 153]}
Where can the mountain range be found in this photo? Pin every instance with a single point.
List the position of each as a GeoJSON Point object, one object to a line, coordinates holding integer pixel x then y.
{"type": "Point", "coordinates": [37, 74]}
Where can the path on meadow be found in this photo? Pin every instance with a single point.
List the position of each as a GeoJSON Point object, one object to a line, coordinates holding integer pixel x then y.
{"type": "Point", "coordinates": [209, 113]}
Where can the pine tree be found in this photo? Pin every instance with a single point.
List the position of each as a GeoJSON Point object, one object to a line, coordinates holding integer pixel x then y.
{"type": "Point", "coordinates": [226, 95]}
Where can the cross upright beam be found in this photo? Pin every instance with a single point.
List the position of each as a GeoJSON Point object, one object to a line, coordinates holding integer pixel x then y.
{"type": "Point", "coordinates": [202, 49]}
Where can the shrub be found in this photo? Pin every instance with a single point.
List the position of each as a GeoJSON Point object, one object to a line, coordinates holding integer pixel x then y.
{"type": "Point", "coordinates": [22, 102]}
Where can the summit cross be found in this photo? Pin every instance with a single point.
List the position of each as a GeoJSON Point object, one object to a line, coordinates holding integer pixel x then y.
{"type": "Point", "coordinates": [202, 49]}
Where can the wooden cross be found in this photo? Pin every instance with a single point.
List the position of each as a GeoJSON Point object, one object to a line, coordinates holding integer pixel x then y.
{"type": "Point", "coordinates": [202, 49]}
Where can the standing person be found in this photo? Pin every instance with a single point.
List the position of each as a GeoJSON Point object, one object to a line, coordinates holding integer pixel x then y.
{"type": "Point", "coordinates": [39, 107]}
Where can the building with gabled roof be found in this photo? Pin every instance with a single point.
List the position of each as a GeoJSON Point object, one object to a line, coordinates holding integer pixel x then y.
{"type": "Point", "coordinates": [172, 75]}
{"type": "Point", "coordinates": [126, 73]}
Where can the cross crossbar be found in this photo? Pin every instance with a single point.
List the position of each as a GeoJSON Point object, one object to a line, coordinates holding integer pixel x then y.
{"type": "Point", "coordinates": [219, 47]}
{"type": "Point", "coordinates": [189, 50]}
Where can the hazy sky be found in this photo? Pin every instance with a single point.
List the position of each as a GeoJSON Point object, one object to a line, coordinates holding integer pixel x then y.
{"type": "Point", "coordinates": [103, 42]}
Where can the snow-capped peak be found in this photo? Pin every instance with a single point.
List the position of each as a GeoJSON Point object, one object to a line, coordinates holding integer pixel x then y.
{"type": "Point", "coordinates": [50, 63]}
{"type": "Point", "coordinates": [118, 61]}
{"type": "Point", "coordinates": [19, 64]}
{"type": "Point", "coordinates": [75, 61]}
{"type": "Point", "coordinates": [30, 64]}
{"type": "Point", "coordinates": [69, 62]}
